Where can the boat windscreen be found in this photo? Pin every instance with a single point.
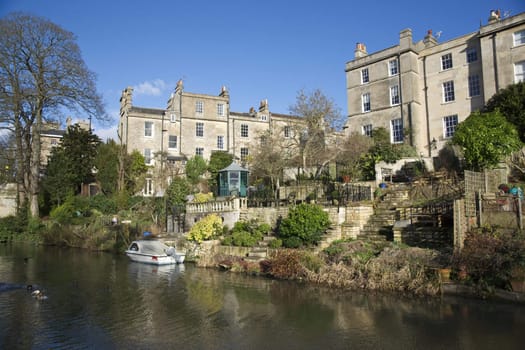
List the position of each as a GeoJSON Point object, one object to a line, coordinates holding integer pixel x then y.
{"type": "Point", "coordinates": [153, 247]}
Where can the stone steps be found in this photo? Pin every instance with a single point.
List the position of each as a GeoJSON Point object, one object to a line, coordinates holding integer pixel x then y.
{"type": "Point", "coordinates": [260, 252]}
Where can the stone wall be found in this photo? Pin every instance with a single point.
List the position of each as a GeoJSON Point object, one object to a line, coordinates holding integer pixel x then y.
{"type": "Point", "coordinates": [7, 200]}
{"type": "Point", "coordinates": [266, 215]}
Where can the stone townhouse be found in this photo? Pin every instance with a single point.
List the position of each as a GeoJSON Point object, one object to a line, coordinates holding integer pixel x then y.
{"type": "Point", "coordinates": [193, 124]}
{"type": "Point", "coordinates": [420, 91]}
{"type": "Point", "coordinates": [51, 136]}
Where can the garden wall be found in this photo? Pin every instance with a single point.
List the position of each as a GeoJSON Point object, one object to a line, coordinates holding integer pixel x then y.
{"type": "Point", "coordinates": [7, 200]}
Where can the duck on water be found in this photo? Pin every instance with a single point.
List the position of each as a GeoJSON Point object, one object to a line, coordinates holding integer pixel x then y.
{"type": "Point", "coordinates": [35, 292]}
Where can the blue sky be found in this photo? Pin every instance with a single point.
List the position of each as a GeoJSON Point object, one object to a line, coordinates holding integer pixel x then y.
{"type": "Point", "coordinates": [266, 49]}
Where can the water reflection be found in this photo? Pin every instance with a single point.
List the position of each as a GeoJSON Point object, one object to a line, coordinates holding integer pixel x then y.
{"type": "Point", "coordinates": [97, 300]}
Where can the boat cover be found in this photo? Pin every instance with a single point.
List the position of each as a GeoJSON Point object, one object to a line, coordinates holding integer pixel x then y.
{"type": "Point", "coordinates": [152, 247]}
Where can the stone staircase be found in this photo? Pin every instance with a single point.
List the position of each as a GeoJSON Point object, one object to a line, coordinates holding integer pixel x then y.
{"type": "Point", "coordinates": [260, 251]}
{"type": "Point", "coordinates": [332, 234]}
{"type": "Point", "coordinates": [380, 224]}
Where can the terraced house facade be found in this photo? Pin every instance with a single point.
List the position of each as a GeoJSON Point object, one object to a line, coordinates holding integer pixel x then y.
{"type": "Point", "coordinates": [420, 91]}
{"type": "Point", "coordinates": [193, 124]}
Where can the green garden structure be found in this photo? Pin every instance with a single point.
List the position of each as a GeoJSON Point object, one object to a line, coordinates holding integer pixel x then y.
{"type": "Point", "coordinates": [233, 181]}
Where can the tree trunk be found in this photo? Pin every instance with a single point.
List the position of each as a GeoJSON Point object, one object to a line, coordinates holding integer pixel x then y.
{"type": "Point", "coordinates": [34, 171]}
{"type": "Point", "coordinates": [21, 195]}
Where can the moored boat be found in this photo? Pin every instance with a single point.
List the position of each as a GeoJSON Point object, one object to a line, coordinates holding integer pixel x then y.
{"type": "Point", "coordinates": [154, 252]}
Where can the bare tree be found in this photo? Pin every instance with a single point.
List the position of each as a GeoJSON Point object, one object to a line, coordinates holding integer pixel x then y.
{"type": "Point", "coordinates": [350, 154]}
{"type": "Point", "coordinates": [271, 156]}
{"type": "Point", "coordinates": [42, 75]}
{"type": "Point", "coordinates": [321, 117]}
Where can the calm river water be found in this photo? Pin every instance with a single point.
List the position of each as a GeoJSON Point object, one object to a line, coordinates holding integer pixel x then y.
{"type": "Point", "coordinates": [102, 301]}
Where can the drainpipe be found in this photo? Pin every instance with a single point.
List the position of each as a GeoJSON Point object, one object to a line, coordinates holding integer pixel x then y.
{"type": "Point", "coordinates": [426, 105]}
{"type": "Point", "coordinates": [401, 98]}
{"type": "Point", "coordinates": [162, 142]}
{"type": "Point", "coordinates": [180, 123]}
{"type": "Point", "coordinates": [228, 126]}
{"type": "Point", "coordinates": [495, 58]}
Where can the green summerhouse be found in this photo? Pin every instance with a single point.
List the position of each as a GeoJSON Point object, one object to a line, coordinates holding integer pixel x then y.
{"type": "Point", "coordinates": [233, 181]}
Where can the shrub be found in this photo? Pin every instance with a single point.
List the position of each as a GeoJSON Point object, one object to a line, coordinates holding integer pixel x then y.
{"type": "Point", "coordinates": [245, 239]}
{"type": "Point", "coordinates": [275, 243]}
{"type": "Point", "coordinates": [286, 264]}
{"type": "Point", "coordinates": [206, 228]}
{"type": "Point", "coordinates": [246, 234]}
{"type": "Point", "coordinates": [104, 204]}
{"type": "Point", "coordinates": [306, 222]}
{"type": "Point", "coordinates": [292, 242]}
{"type": "Point", "coordinates": [352, 252]}
{"type": "Point", "coordinates": [203, 197]}
{"type": "Point", "coordinates": [72, 211]}
{"type": "Point", "coordinates": [489, 256]}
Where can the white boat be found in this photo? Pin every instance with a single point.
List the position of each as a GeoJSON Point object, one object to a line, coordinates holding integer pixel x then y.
{"type": "Point", "coordinates": [154, 252]}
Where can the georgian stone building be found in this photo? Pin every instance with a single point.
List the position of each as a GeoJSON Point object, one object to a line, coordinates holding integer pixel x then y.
{"type": "Point", "coordinates": [193, 124]}
{"type": "Point", "coordinates": [421, 90]}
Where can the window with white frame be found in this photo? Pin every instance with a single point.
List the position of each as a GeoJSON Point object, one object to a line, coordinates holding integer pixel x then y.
{"type": "Point", "coordinates": [199, 151]}
{"type": "Point", "coordinates": [519, 38]}
{"type": "Point", "coordinates": [148, 187]}
{"type": "Point", "coordinates": [264, 117]}
{"type": "Point", "coordinates": [519, 72]}
{"type": "Point", "coordinates": [287, 131]}
{"type": "Point", "coordinates": [448, 91]}
{"type": "Point", "coordinates": [199, 129]}
{"type": "Point", "coordinates": [199, 107]}
{"type": "Point", "coordinates": [367, 130]}
{"type": "Point", "coordinates": [396, 130]}
{"type": "Point", "coordinates": [173, 117]}
{"type": "Point", "coordinates": [220, 142]}
{"type": "Point", "coordinates": [394, 95]}
{"type": "Point", "coordinates": [172, 141]}
{"type": "Point", "coordinates": [54, 142]}
{"type": "Point", "coordinates": [147, 156]}
{"type": "Point", "coordinates": [446, 61]}
{"type": "Point", "coordinates": [148, 129]}
{"type": "Point", "coordinates": [220, 109]}
{"type": "Point", "coordinates": [365, 99]}
{"type": "Point", "coordinates": [450, 123]}
{"type": "Point", "coordinates": [393, 67]}
{"type": "Point", "coordinates": [244, 153]}
{"type": "Point", "coordinates": [474, 87]}
{"type": "Point", "coordinates": [244, 130]}
{"type": "Point", "coordinates": [365, 78]}
{"type": "Point", "coordinates": [472, 54]}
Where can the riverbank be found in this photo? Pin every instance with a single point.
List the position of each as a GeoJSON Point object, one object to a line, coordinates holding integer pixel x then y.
{"type": "Point", "coordinates": [462, 290]}
{"type": "Point", "coordinates": [358, 265]}
{"type": "Point", "coordinates": [355, 265]}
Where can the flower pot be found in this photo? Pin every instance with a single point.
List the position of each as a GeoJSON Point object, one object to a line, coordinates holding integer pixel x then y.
{"type": "Point", "coordinates": [444, 275]}
{"type": "Point", "coordinates": [518, 286]}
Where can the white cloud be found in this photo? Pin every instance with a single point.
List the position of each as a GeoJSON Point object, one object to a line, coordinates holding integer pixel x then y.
{"type": "Point", "coordinates": [151, 88]}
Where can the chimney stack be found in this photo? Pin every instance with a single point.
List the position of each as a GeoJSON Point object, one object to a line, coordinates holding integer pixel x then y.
{"type": "Point", "coordinates": [360, 50]}
{"type": "Point", "coordinates": [494, 16]}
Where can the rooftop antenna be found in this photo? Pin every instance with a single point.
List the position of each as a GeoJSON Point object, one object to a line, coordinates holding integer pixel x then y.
{"type": "Point", "coordinates": [438, 34]}
{"type": "Point", "coordinates": [506, 13]}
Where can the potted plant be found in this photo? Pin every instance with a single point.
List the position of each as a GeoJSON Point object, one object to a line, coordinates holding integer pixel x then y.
{"type": "Point", "coordinates": [517, 278]}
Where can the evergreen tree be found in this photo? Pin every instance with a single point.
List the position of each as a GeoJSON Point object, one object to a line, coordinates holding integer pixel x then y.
{"type": "Point", "coordinates": [71, 164]}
